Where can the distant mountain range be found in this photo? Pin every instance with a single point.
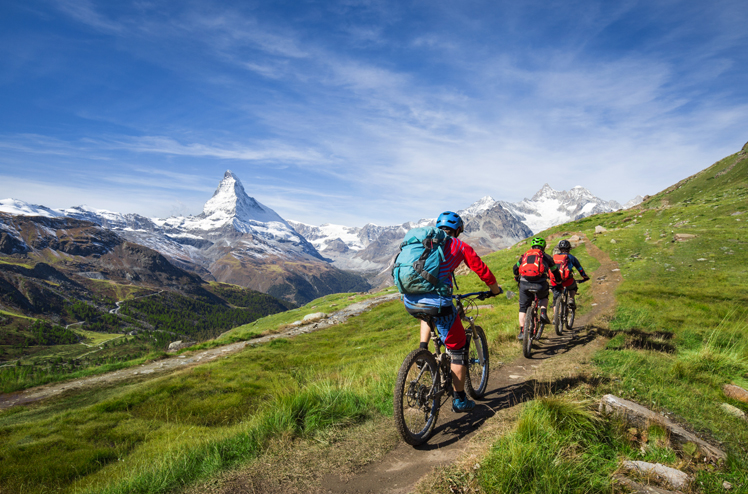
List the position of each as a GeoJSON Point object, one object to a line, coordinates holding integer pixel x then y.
{"type": "Point", "coordinates": [238, 240]}
{"type": "Point", "coordinates": [490, 225]}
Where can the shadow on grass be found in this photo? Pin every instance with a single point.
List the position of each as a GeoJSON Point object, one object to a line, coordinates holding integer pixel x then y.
{"type": "Point", "coordinates": [639, 339]}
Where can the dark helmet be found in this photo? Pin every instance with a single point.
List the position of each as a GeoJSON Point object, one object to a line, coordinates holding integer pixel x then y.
{"type": "Point", "coordinates": [538, 242]}
{"type": "Point", "coordinates": [451, 220]}
{"type": "Point", "coordinates": [564, 245]}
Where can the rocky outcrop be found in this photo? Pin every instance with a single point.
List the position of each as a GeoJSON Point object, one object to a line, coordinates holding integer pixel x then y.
{"type": "Point", "coordinates": [641, 417]}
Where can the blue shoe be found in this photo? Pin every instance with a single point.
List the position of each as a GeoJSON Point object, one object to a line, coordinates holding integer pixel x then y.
{"type": "Point", "coordinates": [459, 405]}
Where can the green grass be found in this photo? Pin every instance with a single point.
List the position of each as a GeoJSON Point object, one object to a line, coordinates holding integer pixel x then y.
{"type": "Point", "coordinates": [680, 333]}
{"type": "Point", "coordinates": [154, 436]}
{"type": "Point", "coordinates": [558, 446]}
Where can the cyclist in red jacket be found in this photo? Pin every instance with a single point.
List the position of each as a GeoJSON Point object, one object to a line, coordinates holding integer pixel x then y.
{"type": "Point", "coordinates": [447, 321]}
{"type": "Point", "coordinates": [531, 271]}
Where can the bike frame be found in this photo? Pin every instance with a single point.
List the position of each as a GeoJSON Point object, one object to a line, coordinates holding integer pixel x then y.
{"type": "Point", "coordinates": [443, 359]}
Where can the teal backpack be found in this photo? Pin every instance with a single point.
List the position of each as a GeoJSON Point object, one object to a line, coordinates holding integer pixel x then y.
{"type": "Point", "coordinates": [416, 268]}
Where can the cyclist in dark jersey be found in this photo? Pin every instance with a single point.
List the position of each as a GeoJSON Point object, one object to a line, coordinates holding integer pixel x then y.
{"type": "Point", "coordinates": [448, 322]}
{"type": "Point", "coordinates": [564, 247]}
{"type": "Point", "coordinates": [543, 262]}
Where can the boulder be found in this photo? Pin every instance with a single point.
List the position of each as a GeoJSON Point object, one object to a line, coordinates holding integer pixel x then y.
{"type": "Point", "coordinates": [315, 316]}
{"type": "Point", "coordinates": [575, 240]}
{"type": "Point", "coordinates": [731, 410]}
{"type": "Point", "coordinates": [669, 476]}
{"type": "Point", "coordinates": [642, 418]}
{"type": "Point", "coordinates": [637, 488]}
{"type": "Point", "coordinates": [175, 346]}
{"type": "Point", "coordinates": [600, 229]}
{"type": "Point", "coordinates": [735, 392]}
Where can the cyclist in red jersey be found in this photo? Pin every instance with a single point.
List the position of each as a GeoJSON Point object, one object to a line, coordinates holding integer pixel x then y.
{"type": "Point", "coordinates": [448, 322]}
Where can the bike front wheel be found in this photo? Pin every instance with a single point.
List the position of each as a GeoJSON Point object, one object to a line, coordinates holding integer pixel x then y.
{"type": "Point", "coordinates": [528, 333]}
{"type": "Point", "coordinates": [416, 403]}
{"type": "Point", "coordinates": [477, 377]}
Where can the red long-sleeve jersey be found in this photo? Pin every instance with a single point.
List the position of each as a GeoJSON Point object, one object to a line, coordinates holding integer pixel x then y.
{"type": "Point", "coordinates": [457, 251]}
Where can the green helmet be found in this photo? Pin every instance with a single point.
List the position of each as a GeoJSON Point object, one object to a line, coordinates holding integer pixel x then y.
{"type": "Point", "coordinates": [538, 242]}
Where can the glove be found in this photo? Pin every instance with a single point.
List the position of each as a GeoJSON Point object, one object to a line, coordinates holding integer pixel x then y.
{"type": "Point", "coordinates": [585, 278]}
{"type": "Point", "coordinates": [516, 278]}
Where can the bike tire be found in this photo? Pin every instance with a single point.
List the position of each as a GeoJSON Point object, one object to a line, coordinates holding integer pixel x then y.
{"type": "Point", "coordinates": [569, 317]}
{"type": "Point", "coordinates": [558, 321]}
{"type": "Point", "coordinates": [529, 330]}
{"type": "Point", "coordinates": [478, 365]}
{"type": "Point", "coordinates": [415, 413]}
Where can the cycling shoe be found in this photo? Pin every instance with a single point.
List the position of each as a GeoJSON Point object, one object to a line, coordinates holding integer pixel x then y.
{"type": "Point", "coordinates": [459, 406]}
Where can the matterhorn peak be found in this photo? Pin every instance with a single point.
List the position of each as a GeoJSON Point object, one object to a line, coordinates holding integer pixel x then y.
{"type": "Point", "coordinates": [231, 201]}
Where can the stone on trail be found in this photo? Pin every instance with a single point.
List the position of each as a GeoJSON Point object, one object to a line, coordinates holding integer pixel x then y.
{"type": "Point", "coordinates": [670, 476]}
{"type": "Point", "coordinates": [735, 392]}
{"type": "Point", "coordinates": [731, 410]}
{"type": "Point", "coordinates": [642, 418]}
{"type": "Point", "coordinates": [316, 316]}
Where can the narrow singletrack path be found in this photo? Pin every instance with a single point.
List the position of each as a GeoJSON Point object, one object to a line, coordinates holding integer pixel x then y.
{"type": "Point", "coordinates": [400, 469]}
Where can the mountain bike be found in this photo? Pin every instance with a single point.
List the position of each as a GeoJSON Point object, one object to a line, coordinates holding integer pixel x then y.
{"type": "Point", "coordinates": [533, 325]}
{"type": "Point", "coordinates": [563, 311]}
{"type": "Point", "coordinates": [424, 382]}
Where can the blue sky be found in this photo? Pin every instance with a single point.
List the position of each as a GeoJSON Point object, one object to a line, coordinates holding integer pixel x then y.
{"type": "Point", "coordinates": [363, 111]}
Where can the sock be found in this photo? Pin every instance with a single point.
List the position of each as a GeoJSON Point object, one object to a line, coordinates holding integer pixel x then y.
{"type": "Point", "coordinates": [460, 395]}
{"type": "Point", "coordinates": [424, 345]}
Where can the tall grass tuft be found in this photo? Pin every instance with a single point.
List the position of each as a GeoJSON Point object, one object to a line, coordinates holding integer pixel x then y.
{"type": "Point", "coordinates": [558, 446]}
{"type": "Point", "coordinates": [306, 413]}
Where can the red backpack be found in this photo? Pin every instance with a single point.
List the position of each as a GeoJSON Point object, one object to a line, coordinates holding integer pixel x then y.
{"type": "Point", "coordinates": [564, 266]}
{"type": "Point", "coordinates": [531, 265]}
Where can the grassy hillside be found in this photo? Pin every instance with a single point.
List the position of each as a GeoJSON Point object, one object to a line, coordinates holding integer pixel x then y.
{"type": "Point", "coordinates": [38, 350]}
{"type": "Point", "coordinates": [162, 434]}
{"type": "Point", "coordinates": [154, 436]}
{"type": "Point", "coordinates": [679, 333]}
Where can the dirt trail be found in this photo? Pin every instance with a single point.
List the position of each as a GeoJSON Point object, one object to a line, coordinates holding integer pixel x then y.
{"type": "Point", "coordinates": [183, 361]}
{"type": "Point", "coordinates": [400, 469]}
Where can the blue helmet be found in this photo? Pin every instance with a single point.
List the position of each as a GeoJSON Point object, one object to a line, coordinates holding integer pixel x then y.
{"type": "Point", "coordinates": [450, 220]}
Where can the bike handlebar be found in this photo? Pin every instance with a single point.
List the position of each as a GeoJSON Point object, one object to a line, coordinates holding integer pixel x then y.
{"type": "Point", "coordinates": [478, 295]}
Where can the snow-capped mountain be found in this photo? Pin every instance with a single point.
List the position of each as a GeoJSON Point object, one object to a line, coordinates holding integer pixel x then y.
{"type": "Point", "coordinates": [549, 207]}
{"type": "Point", "coordinates": [235, 239]}
{"type": "Point", "coordinates": [489, 227]}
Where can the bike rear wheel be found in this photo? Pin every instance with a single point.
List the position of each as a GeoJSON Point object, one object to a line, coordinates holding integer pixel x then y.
{"type": "Point", "coordinates": [530, 322]}
{"type": "Point", "coordinates": [569, 316]}
{"type": "Point", "coordinates": [416, 403]}
{"type": "Point", "coordinates": [478, 367]}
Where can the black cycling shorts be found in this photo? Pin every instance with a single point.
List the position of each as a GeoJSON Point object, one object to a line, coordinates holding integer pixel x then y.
{"type": "Point", "coordinates": [526, 297]}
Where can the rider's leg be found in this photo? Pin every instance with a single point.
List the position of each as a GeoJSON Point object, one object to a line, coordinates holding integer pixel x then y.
{"type": "Point", "coordinates": [459, 373]}
{"type": "Point", "coordinates": [572, 294]}
{"type": "Point", "coordinates": [425, 334]}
